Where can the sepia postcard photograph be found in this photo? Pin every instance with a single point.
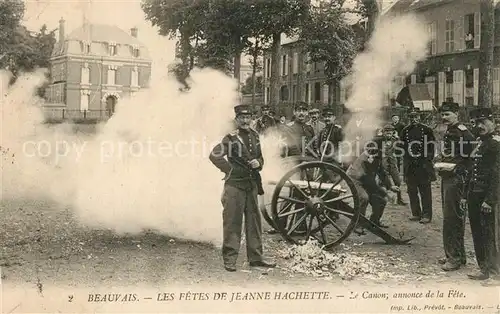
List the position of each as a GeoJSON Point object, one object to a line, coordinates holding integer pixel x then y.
{"type": "Point", "coordinates": [250, 156]}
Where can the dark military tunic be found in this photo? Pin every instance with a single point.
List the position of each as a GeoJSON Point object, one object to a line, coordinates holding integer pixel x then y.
{"type": "Point", "coordinates": [240, 193]}
{"type": "Point", "coordinates": [329, 140]}
{"type": "Point", "coordinates": [483, 186]}
{"type": "Point", "coordinates": [364, 171]}
{"type": "Point", "coordinates": [458, 145]}
{"type": "Point", "coordinates": [300, 139]}
{"type": "Point", "coordinates": [419, 148]}
{"type": "Point", "coordinates": [317, 126]}
{"type": "Point", "coordinates": [389, 161]}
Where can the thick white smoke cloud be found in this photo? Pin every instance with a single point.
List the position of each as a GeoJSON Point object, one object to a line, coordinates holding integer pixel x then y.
{"type": "Point", "coordinates": [394, 49]}
{"type": "Point", "coordinates": [147, 168]}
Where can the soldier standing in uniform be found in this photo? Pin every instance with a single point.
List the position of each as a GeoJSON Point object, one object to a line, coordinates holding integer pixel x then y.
{"type": "Point", "coordinates": [389, 158]}
{"type": "Point", "coordinates": [419, 149]}
{"type": "Point", "coordinates": [330, 137]}
{"type": "Point", "coordinates": [364, 171]}
{"type": "Point", "coordinates": [458, 145]}
{"type": "Point", "coordinates": [300, 135]}
{"type": "Point", "coordinates": [242, 185]}
{"type": "Point", "coordinates": [266, 121]}
{"type": "Point", "coordinates": [398, 127]}
{"type": "Point", "coordinates": [482, 195]}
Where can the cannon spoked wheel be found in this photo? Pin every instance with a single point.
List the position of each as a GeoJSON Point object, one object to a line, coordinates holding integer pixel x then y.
{"type": "Point", "coordinates": [317, 200]}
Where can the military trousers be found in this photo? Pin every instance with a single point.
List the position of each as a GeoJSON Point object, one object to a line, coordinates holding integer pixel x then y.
{"type": "Point", "coordinates": [375, 199]}
{"type": "Point", "coordinates": [420, 195]}
{"type": "Point", "coordinates": [482, 227]}
{"type": "Point", "coordinates": [239, 203]}
{"type": "Point", "coordinates": [453, 220]}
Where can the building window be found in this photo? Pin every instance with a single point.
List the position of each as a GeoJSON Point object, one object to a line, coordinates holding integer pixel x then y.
{"type": "Point", "coordinates": [284, 93]}
{"type": "Point", "coordinates": [136, 52]}
{"type": "Point", "coordinates": [449, 85]}
{"type": "Point", "coordinates": [496, 86]}
{"type": "Point", "coordinates": [268, 67]}
{"type": "Point", "coordinates": [432, 30]}
{"type": "Point", "coordinates": [450, 36]}
{"type": "Point", "coordinates": [266, 95]}
{"type": "Point", "coordinates": [477, 30]}
{"type": "Point", "coordinates": [112, 49]}
{"type": "Point", "coordinates": [85, 47]}
{"type": "Point", "coordinates": [85, 74]}
{"type": "Point", "coordinates": [295, 63]}
{"type": "Point", "coordinates": [112, 75]}
{"type": "Point", "coordinates": [84, 100]}
{"type": "Point", "coordinates": [294, 92]}
{"type": "Point", "coordinates": [308, 62]}
{"type": "Point", "coordinates": [284, 65]}
{"type": "Point", "coordinates": [469, 31]}
{"type": "Point", "coordinates": [458, 87]}
{"type": "Point", "coordinates": [317, 92]}
{"type": "Point", "coordinates": [307, 94]}
{"type": "Point", "coordinates": [469, 87]}
{"type": "Point", "coordinates": [135, 77]}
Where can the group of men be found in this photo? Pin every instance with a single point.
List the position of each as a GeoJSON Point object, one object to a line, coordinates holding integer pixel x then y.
{"type": "Point", "coordinates": [468, 181]}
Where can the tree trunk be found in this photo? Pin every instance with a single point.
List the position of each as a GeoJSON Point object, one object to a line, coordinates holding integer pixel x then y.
{"type": "Point", "coordinates": [301, 76]}
{"type": "Point", "coordinates": [255, 56]}
{"type": "Point", "coordinates": [485, 97]}
{"type": "Point", "coordinates": [275, 68]}
{"type": "Point", "coordinates": [372, 15]}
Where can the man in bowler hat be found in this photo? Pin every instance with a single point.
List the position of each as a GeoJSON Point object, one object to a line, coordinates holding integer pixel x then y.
{"type": "Point", "coordinates": [456, 160]}
{"type": "Point", "coordinates": [242, 184]}
{"type": "Point", "coordinates": [418, 153]}
{"type": "Point", "coordinates": [483, 195]}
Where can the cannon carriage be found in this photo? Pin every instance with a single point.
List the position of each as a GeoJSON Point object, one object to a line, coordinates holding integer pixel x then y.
{"type": "Point", "coordinates": [316, 199]}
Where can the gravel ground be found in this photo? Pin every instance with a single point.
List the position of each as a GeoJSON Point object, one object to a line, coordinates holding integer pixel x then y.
{"type": "Point", "coordinates": [42, 243]}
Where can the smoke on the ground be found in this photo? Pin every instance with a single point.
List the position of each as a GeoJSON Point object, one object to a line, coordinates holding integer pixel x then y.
{"type": "Point", "coordinates": [395, 47]}
{"type": "Point", "coordinates": [146, 168]}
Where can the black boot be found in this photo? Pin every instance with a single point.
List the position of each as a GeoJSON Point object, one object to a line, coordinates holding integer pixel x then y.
{"type": "Point", "coordinates": [400, 200]}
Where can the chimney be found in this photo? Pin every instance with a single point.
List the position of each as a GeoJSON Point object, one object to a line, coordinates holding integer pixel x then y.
{"type": "Point", "coordinates": [133, 31]}
{"type": "Point", "coordinates": [61, 30]}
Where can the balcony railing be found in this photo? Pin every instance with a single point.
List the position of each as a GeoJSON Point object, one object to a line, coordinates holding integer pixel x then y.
{"type": "Point", "coordinates": [78, 116]}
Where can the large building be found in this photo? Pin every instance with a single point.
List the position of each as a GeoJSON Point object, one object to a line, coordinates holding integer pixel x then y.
{"type": "Point", "coordinates": [92, 68]}
{"type": "Point", "coordinates": [451, 70]}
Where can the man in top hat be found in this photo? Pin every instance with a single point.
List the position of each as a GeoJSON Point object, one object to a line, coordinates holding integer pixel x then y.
{"type": "Point", "coordinates": [418, 152]}
{"type": "Point", "coordinates": [453, 165]}
{"type": "Point", "coordinates": [482, 192]}
{"type": "Point", "coordinates": [242, 184]}
{"type": "Point", "coordinates": [300, 135]}
{"type": "Point", "coordinates": [389, 161]}
{"type": "Point", "coordinates": [266, 121]}
{"type": "Point", "coordinates": [329, 137]}
{"type": "Point", "coordinates": [315, 122]}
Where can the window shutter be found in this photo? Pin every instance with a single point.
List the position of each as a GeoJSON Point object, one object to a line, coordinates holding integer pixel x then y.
{"type": "Point", "coordinates": [441, 83]}
{"type": "Point", "coordinates": [476, 86]}
{"type": "Point", "coordinates": [458, 87]}
{"type": "Point", "coordinates": [286, 65]}
{"type": "Point", "coordinates": [342, 93]}
{"type": "Point", "coordinates": [295, 63]}
{"type": "Point", "coordinates": [310, 93]}
{"type": "Point", "coordinates": [477, 29]}
{"type": "Point", "coordinates": [413, 79]}
{"type": "Point", "coordinates": [324, 99]}
{"type": "Point", "coordinates": [459, 34]}
{"type": "Point", "coordinates": [496, 86]}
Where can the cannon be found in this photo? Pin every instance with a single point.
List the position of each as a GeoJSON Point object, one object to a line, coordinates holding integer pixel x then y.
{"type": "Point", "coordinates": [318, 200]}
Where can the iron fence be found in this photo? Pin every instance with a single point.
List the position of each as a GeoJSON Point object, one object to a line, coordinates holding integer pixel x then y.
{"type": "Point", "coordinates": [83, 116]}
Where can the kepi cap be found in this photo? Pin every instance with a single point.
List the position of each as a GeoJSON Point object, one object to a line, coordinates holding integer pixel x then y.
{"type": "Point", "coordinates": [328, 112]}
{"type": "Point", "coordinates": [300, 105]}
{"type": "Point", "coordinates": [481, 113]}
{"type": "Point", "coordinates": [266, 107]}
{"type": "Point", "coordinates": [414, 111]}
{"type": "Point", "coordinates": [242, 109]}
{"type": "Point", "coordinates": [449, 106]}
{"type": "Point", "coordinates": [388, 127]}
